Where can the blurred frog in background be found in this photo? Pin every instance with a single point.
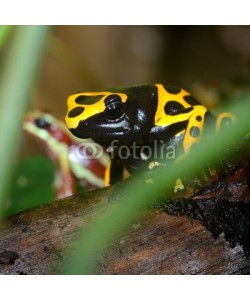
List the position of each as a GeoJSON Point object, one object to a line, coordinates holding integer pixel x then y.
{"type": "Point", "coordinates": [77, 161]}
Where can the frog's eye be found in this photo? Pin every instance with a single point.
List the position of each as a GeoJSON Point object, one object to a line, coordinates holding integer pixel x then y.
{"type": "Point", "coordinates": [42, 123]}
{"type": "Point", "coordinates": [114, 107]}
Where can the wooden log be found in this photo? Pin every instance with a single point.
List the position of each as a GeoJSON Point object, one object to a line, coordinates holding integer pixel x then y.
{"type": "Point", "coordinates": [36, 241]}
{"type": "Point", "coordinates": [39, 236]}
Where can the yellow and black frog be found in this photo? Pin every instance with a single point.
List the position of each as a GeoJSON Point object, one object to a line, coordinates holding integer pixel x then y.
{"type": "Point", "coordinates": [142, 125]}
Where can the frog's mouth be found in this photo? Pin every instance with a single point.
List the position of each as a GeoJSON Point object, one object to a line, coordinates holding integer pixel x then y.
{"type": "Point", "coordinates": [100, 134]}
{"type": "Point", "coordinates": [99, 128]}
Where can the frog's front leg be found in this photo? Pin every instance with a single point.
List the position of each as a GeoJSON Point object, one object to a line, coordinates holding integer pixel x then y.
{"type": "Point", "coordinates": [64, 179]}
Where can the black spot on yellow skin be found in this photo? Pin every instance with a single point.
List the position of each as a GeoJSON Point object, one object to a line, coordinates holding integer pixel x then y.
{"type": "Point", "coordinates": [191, 100]}
{"type": "Point", "coordinates": [186, 110]}
{"type": "Point", "coordinates": [75, 112]}
{"type": "Point", "coordinates": [172, 90]}
{"type": "Point", "coordinates": [82, 99]}
{"type": "Point", "coordinates": [198, 118]}
{"type": "Point", "coordinates": [172, 108]}
{"type": "Point", "coordinates": [194, 131]}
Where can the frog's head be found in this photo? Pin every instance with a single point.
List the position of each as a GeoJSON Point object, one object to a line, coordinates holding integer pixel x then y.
{"type": "Point", "coordinates": [47, 130]}
{"type": "Point", "coordinates": [41, 125]}
{"type": "Point", "coordinates": [103, 116]}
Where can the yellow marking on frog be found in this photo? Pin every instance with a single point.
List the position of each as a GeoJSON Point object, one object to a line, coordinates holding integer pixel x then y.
{"type": "Point", "coordinates": [222, 116]}
{"type": "Point", "coordinates": [161, 119]}
{"type": "Point", "coordinates": [89, 109]}
{"type": "Point", "coordinates": [189, 140]}
{"type": "Point", "coordinates": [178, 185]}
{"type": "Point", "coordinates": [107, 175]}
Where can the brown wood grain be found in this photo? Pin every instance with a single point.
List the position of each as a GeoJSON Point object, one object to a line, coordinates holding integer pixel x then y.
{"type": "Point", "coordinates": [36, 242]}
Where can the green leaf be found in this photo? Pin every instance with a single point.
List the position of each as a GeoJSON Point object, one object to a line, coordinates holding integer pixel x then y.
{"type": "Point", "coordinates": [17, 81]}
{"type": "Point", "coordinates": [32, 184]}
{"type": "Point", "coordinates": [5, 31]}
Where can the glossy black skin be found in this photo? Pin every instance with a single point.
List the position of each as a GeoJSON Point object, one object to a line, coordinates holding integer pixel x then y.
{"type": "Point", "coordinates": [135, 124]}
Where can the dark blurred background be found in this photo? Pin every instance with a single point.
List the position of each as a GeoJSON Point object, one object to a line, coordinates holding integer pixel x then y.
{"type": "Point", "coordinates": [209, 61]}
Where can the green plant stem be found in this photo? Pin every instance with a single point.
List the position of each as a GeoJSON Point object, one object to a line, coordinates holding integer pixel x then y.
{"type": "Point", "coordinates": [16, 84]}
{"type": "Point", "coordinates": [4, 33]}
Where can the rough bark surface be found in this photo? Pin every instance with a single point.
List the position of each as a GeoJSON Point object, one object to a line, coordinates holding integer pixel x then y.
{"type": "Point", "coordinates": [35, 242]}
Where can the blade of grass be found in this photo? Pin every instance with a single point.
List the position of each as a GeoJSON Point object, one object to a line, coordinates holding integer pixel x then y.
{"type": "Point", "coordinates": [121, 214]}
{"type": "Point", "coordinates": [16, 84]}
{"type": "Point", "coordinates": [5, 30]}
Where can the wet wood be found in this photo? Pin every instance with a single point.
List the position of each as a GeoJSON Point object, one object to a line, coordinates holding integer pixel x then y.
{"type": "Point", "coordinates": [36, 242]}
